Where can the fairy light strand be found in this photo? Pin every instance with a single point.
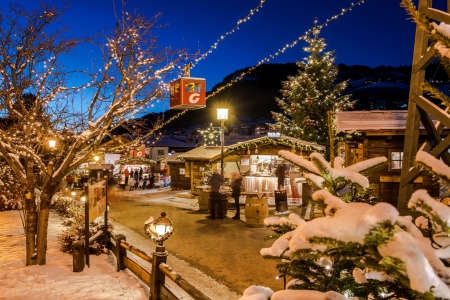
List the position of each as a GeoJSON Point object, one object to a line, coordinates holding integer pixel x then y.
{"type": "Point", "coordinates": [267, 59]}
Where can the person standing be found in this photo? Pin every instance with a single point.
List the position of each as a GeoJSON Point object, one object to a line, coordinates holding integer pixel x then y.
{"type": "Point", "coordinates": [280, 172]}
{"type": "Point", "coordinates": [127, 175]}
{"type": "Point", "coordinates": [236, 183]}
{"type": "Point", "coordinates": [215, 182]}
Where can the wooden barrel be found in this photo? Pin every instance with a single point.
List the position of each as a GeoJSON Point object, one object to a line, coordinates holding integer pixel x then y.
{"type": "Point", "coordinates": [256, 210]}
{"type": "Point", "coordinates": [223, 204]}
{"type": "Point", "coordinates": [203, 200]}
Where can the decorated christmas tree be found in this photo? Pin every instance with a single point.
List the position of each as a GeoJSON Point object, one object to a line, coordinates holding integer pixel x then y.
{"type": "Point", "coordinates": [308, 97]}
{"type": "Point", "coordinates": [361, 250]}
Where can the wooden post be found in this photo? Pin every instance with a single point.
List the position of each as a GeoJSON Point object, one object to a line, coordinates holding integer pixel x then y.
{"type": "Point", "coordinates": [78, 256]}
{"type": "Point", "coordinates": [120, 252]}
{"type": "Point", "coordinates": [86, 223]}
{"type": "Point", "coordinates": [105, 231]}
{"type": "Point", "coordinates": [158, 277]}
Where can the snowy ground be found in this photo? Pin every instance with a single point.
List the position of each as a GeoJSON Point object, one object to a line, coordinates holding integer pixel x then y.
{"type": "Point", "coordinates": [55, 280]}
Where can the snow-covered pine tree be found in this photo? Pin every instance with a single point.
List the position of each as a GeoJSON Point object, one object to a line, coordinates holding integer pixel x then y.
{"type": "Point", "coordinates": [350, 183]}
{"type": "Point", "coordinates": [362, 250]}
{"type": "Point", "coordinates": [308, 97]}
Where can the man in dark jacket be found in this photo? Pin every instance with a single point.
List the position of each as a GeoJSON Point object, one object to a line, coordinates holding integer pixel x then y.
{"type": "Point", "coordinates": [215, 182]}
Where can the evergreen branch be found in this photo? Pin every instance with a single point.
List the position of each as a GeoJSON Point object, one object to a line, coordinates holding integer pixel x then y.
{"type": "Point", "coordinates": [436, 92]}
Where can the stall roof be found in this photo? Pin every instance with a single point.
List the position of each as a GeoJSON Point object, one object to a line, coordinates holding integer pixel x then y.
{"type": "Point", "coordinates": [135, 161]}
{"type": "Point", "coordinates": [95, 167]}
{"type": "Point", "coordinates": [202, 153]}
{"type": "Point", "coordinates": [372, 121]}
{"type": "Point", "coordinates": [283, 140]}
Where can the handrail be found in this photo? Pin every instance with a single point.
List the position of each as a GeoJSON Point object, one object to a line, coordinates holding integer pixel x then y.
{"type": "Point", "coordinates": [181, 282]}
{"type": "Point", "coordinates": [136, 251]}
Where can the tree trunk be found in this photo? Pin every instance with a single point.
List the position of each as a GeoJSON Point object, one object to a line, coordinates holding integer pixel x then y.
{"type": "Point", "coordinates": [42, 230]}
{"type": "Point", "coordinates": [30, 230]}
{"type": "Point", "coordinates": [30, 218]}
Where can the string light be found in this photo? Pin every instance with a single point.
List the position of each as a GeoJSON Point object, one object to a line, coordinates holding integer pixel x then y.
{"type": "Point", "coordinates": [282, 50]}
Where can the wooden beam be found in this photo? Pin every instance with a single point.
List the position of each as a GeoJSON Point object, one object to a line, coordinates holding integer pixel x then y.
{"type": "Point", "coordinates": [433, 133]}
{"type": "Point", "coordinates": [413, 118]}
{"type": "Point", "coordinates": [436, 152]}
{"type": "Point", "coordinates": [433, 110]}
{"type": "Point", "coordinates": [437, 15]}
{"type": "Point", "coordinates": [425, 60]}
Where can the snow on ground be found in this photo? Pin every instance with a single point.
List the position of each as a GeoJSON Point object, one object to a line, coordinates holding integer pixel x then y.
{"type": "Point", "coordinates": [55, 280]}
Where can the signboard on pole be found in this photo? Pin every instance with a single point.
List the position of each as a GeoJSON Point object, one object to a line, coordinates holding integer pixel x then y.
{"type": "Point", "coordinates": [273, 134]}
{"type": "Point", "coordinates": [97, 200]}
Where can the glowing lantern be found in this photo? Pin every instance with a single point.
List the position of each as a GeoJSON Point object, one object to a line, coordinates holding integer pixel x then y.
{"type": "Point", "coordinates": [188, 93]}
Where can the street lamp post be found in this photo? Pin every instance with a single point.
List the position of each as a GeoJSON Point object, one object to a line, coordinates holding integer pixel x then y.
{"type": "Point", "coordinates": [158, 230]}
{"type": "Point", "coordinates": [222, 116]}
{"type": "Point", "coordinates": [85, 198]}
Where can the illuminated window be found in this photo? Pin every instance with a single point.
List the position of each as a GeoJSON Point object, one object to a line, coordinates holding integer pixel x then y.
{"type": "Point", "coordinates": [160, 152]}
{"type": "Point", "coordinates": [193, 87]}
{"type": "Point", "coordinates": [182, 171]}
{"type": "Point", "coordinates": [396, 160]}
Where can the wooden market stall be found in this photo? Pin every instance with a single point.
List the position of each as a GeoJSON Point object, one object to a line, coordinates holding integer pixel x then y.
{"type": "Point", "coordinates": [255, 159]}
{"type": "Point", "coordinates": [136, 164]}
{"type": "Point", "coordinates": [369, 134]}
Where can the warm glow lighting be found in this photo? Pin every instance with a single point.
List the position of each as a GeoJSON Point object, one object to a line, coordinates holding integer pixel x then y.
{"type": "Point", "coordinates": [83, 198]}
{"type": "Point", "coordinates": [96, 158]}
{"type": "Point", "coordinates": [73, 194]}
{"type": "Point", "coordinates": [52, 144]}
{"type": "Point", "coordinates": [160, 229]}
{"type": "Point", "coordinates": [222, 114]}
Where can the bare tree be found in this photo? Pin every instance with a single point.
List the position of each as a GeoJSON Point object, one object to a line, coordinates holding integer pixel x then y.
{"type": "Point", "coordinates": [40, 102]}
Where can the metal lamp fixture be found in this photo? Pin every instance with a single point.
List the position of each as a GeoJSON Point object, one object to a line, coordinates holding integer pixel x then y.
{"type": "Point", "coordinates": [159, 230]}
{"type": "Point", "coordinates": [222, 114]}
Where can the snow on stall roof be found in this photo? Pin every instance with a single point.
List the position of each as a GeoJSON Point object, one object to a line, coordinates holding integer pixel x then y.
{"type": "Point", "coordinates": [350, 121]}
{"type": "Point", "coordinates": [202, 153]}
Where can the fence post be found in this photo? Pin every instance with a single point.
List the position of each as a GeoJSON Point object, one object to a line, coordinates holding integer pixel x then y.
{"type": "Point", "coordinates": [78, 256]}
{"type": "Point", "coordinates": [120, 252]}
{"type": "Point", "coordinates": [158, 277]}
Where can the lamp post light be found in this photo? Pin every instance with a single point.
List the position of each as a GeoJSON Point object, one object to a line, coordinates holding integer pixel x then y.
{"type": "Point", "coordinates": [52, 144]}
{"type": "Point", "coordinates": [222, 116]}
{"type": "Point", "coordinates": [73, 193]}
{"type": "Point", "coordinates": [158, 230]}
{"type": "Point", "coordinates": [85, 198]}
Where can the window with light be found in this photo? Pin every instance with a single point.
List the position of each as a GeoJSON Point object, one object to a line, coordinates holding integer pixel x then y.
{"type": "Point", "coordinates": [396, 160]}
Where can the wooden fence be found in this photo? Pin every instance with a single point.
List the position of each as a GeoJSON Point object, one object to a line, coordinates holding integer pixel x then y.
{"type": "Point", "coordinates": [154, 279]}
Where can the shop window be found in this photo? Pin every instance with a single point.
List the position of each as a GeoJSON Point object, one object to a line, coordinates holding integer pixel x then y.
{"type": "Point", "coordinates": [396, 158]}
{"type": "Point", "coordinates": [182, 171]}
{"type": "Point", "coordinates": [160, 152]}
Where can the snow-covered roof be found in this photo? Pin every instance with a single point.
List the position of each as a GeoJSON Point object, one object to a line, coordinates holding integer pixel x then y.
{"type": "Point", "coordinates": [202, 153]}
{"type": "Point", "coordinates": [374, 120]}
{"type": "Point", "coordinates": [167, 141]}
{"type": "Point", "coordinates": [283, 140]}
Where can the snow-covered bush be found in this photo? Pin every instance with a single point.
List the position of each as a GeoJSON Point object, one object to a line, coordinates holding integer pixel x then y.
{"type": "Point", "coordinates": [11, 193]}
{"type": "Point", "coordinates": [350, 183]}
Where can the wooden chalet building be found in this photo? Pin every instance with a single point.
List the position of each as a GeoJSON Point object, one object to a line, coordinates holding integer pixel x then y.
{"type": "Point", "coordinates": [255, 159]}
{"type": "Point", "coordinates": [369, 134]}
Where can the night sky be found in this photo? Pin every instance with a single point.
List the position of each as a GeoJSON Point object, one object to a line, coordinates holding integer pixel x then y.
{"type": "Point", "coordinates": [377, 32]}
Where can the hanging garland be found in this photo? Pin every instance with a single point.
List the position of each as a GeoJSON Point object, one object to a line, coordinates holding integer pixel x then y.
{"type": "Point", "coordinates": [135, 160]}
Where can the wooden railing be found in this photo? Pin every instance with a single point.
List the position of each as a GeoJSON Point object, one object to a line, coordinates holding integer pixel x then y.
{"type": "Point", "coordinates": [154, 279]}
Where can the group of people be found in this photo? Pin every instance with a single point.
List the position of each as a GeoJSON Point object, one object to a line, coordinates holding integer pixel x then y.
{"type": "Point", "coordinates": [141, 183]}
{"type": "Point", "coordinates": [236, 186]}
{"type": "Point", "coordinates": [74, 181]}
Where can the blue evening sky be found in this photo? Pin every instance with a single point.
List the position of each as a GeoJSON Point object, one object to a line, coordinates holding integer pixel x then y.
{"type": "Point", "coordinates": [377, 32]}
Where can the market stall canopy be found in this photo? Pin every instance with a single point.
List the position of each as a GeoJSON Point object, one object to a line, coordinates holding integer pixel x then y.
{"type": "Point", "coordinates": [135, 160]}
{"type": "Point", "coordinates": [282, 140]}
{"type": "Point", "coordinates": [99, 167]}
{"type": "Point", "coordinates": [205, 153]}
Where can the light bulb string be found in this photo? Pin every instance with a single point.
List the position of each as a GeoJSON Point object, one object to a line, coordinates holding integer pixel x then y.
{"type": "Point", "coordinates": [267, 59]}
